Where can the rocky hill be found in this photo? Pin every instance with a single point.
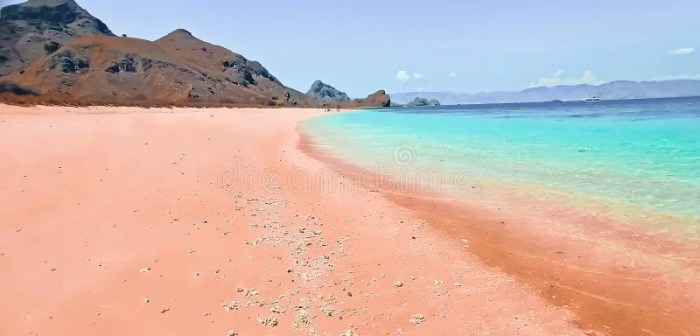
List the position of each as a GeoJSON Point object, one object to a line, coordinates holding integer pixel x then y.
{"type": "Point", "coordinates": [32, 29]}
{"type": "Point", "coordinates": [58, 51]}
{"type": "Point", "coordinates": [106, 69]}
{"type": "Point", "coordinates": [326, 93]}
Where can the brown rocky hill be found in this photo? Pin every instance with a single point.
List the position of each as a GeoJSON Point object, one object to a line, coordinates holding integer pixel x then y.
{"type": "Point", "coordinates": [106, 69]}
{"type": "Point", "coordinates": [31, 29]}
{"type": "Point", "coordinates": [377, 99]}
{"type": "Point", "coordinates": [55, 49]}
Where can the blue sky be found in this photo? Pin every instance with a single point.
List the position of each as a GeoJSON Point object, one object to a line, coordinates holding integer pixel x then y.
{"type": "Point", "coordinates": [439, 45]}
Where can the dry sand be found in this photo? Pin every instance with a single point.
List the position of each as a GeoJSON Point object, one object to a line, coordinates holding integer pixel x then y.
{"type": "Point", "coordinates": [123, 221]}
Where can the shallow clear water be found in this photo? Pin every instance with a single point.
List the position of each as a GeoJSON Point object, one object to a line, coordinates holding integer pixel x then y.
{"type": "Point", "coordinates": [642, 154]}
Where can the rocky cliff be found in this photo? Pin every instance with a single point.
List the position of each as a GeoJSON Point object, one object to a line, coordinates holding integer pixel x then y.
{"type": "Point", "coordinates": [326, 93]}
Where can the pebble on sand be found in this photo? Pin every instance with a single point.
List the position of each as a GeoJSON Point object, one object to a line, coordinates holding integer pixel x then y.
{"type": "Point", "coordinates": [417, 319]}
{"type": "Point", "coordinates": [231, 306]}
{"type": "Point", "coordinates": [398, 283]}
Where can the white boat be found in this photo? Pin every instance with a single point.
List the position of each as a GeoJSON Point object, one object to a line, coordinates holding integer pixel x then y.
{"type": "Point", "coordinates": [591, 99]}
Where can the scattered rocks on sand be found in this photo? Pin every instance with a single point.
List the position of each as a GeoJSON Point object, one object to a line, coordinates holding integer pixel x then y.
{"type": "Point", "coordinates": [417, 319]}
{"type": "Point", "coordinates": [328, 311]}
{"type": "Point", "coordinates": [231, 306]}
{"type": "Point", "coordinates": [268, 321]}
{"type": "Point", "coordinates": [398, 283]}
{"type": "Point", "coordinates": [232, 332]}
{"type": "Point", "coordinates": [276, 309]}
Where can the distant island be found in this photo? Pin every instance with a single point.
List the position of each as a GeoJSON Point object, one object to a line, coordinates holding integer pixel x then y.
{"type": "Point", "coordinates": [418, 101]}
{"type": "Point", "coordinates": [617, 90]}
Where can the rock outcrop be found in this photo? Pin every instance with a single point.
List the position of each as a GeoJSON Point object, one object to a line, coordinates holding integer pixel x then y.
{"type": "Point", "coordinates": [36, 28]}
{"type": "Point", "coordinates": [377, 99]}
{"type": "Point", "coordinates": [418, 101]}
{"type": "Point", "coordinates": [326, 93]}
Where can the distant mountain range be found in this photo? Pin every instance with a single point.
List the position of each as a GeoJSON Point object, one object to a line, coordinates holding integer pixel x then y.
{"type": "Point", "coordinates": [616, 90]}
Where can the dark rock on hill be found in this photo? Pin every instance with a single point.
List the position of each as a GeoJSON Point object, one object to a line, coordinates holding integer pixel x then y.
{"type": "Point", "coordinates": [15, 89]}
{"type": "Point", "coordinates": [326, 93]}
{"type": "Point", "coordinates": [33, 29]}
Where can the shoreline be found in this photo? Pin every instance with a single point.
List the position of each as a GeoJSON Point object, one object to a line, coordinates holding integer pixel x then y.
{"type": "Point", "coordinates": [201, 222]}
{"type": "Point", "coordinates": [567, 271]}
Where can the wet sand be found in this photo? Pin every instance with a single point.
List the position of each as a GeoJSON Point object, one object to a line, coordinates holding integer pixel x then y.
{"type": "Point", "coordinates": [124, 221]}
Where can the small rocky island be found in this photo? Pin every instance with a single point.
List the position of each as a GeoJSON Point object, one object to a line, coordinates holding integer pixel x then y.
{"type": "Point", "coordinates": [418, 101]}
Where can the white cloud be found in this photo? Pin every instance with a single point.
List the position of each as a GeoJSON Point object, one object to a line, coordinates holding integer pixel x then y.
{"type": "Point", "coordinates": [588, 77]}
{"type": "Point", "coordinates": [417, 75]}
{"type": "Point", "coordinates": [402, 76]}
{"type": "Point", "coordinates": [452, 74]}
{"type": "Point", "coordinates": [682, 51]}
{"type": "Point", "coordinates": [421, 89]}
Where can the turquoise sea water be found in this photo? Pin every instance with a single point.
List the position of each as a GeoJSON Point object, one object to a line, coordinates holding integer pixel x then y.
{"type": "Point", "coordinates": [642, 154]}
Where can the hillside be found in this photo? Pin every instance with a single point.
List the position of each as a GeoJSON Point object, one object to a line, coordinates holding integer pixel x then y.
{"type": "Point", "coordinates": [32, 29]}
{"type": "Point", "coordinates": [56, 49]}
{"type": "Point", "coordinates": [109, 69]}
